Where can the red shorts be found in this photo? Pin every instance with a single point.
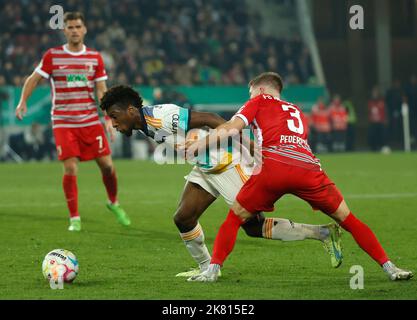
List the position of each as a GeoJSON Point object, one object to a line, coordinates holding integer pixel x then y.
{"type": "Point", "coordinates": [86, 143]}
{"type": "Point", "coordinates": [276, 179]}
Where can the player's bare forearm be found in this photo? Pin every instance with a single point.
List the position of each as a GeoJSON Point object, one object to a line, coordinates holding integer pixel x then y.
{"type": "Point", "coordinates": [28, 87]}
{"type": "Point", "coordinates": [222, 132]}
{"type": "Point", "coordinates": [232, 126]}
{"type": "Point", "coordinates": [202, 119]}
{"type": "Point", "coordinates": [101, 89]}
{"type": "Point", "coordinates": [30, 84]}
{"type": "Point", "coordinates": [214, 121]}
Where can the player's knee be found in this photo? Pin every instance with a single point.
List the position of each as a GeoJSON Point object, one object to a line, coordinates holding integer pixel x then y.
{"type": "Point", "coordinates": [241, 212]}
{"type": "Point", "coordinates": [252, 231]}
{"type": "Point", "coordinates": [71, 169]}
{"type": "Point", "coordinates": [341, 213]}
{"type": "Point", "coordinates": [106, 170]}
{"type": "Point", "coordinates": [253, 227]}
{"type": "Point", "coordinates": [184, 221]}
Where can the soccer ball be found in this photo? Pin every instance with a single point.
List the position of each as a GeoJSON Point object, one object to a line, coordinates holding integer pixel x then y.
{"type": "Point", "coordinates": [60, 262]}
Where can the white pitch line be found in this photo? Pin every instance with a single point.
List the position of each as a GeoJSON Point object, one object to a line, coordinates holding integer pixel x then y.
{"type": "Point", "coordinates": [62, 204]}
{"type": "Point", "coordinates": [381, 196]}
{"type": "Point", "coordinates": [350, 196]}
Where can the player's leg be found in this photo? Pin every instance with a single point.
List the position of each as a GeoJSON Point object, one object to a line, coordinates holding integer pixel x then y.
{"type": "Point", "coordinates": [68, 151]}
{"type": "Point", "coordinates": [69, 184]}
{"type": "Point", "coordinates": [109, 178]}
{"type": "Point", "coordinates": [194, 201]}
{"type": "Point", "coordinates": [255, 196]}
{"type": "Point", "coordinates": [95, 146]}
{"type": "Point", "coordinates": [367, 240]}
{"type": "Point", "coordinates": [229, 183]}
{"type": "Point", "coordinates": [317, 189]}
{"type": "Point", "coordinates": [283, 229]}
{"type": "Point", "coordinates": [224, 242]}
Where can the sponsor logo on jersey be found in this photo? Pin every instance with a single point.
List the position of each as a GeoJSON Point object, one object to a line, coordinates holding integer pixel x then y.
{"type": "Point", "coordinates": [76, 80]}
{"type": "Point", "coordinates": [175, 121]}
{"type": "Point", "coordinates": [89, 66]}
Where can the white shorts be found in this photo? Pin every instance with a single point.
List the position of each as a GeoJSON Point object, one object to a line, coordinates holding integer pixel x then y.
{"type": "Point", "coordinates": [226, 184]}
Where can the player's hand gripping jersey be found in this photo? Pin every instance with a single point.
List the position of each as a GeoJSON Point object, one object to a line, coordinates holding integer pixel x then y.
{"type": "Point", "coordinates": [166, 120]}
{"type": "Point", "coordinates": [281, 129]}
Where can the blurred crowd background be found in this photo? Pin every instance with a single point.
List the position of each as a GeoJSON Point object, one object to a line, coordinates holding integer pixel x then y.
{"type": "Point", "coordinates": [158, 42]}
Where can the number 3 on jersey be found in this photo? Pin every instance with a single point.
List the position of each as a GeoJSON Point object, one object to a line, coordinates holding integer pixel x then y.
{"type": "Point", "coordinates": [291, 123]}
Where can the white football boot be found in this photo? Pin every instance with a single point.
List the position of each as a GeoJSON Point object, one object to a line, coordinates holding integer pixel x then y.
{"type": "Point", "coordinates": [394, 273]}
{"type": "Point", "coordinates": [209, 275]}
{"type": "Point", "coordinates": [193, 272]}
{"type": "Point", "coordinates": [190, 273]}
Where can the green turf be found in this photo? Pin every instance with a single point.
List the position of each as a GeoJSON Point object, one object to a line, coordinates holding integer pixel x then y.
{"type": "Point", "coordinates": [140, 262]}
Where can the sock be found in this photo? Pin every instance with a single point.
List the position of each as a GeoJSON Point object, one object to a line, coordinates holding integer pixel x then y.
{"type": "Point", "coordinates": [226, 238]}
{"type": "Point", "coordinates": [213, 268]}
{"type": "Point", "coordinates": [365, 238]}
{"type": "Point", "coordinates": [69, 184]}
{"type": "Point", "coordinates": [388, 266]}
{"type": "Point", "coordinates": [286, 230]}
{"type": "Point", "coordinates": [110, 182]}
{"type": "Point", "coordinates": [194, 242]}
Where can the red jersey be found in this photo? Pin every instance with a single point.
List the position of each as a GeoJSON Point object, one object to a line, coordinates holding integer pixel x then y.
{"type": "Point", "coordinates": [281, 129]}
{"type": "Point", "coordinates": [72, 76]}
{"type": "Point", "coordinates": [320, 117]}
{"type": "Point", "coordinates": [376, 109]}
{"type": "Point", "coordinates": [339, 117]}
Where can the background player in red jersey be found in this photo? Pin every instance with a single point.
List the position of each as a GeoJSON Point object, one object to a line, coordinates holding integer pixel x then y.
{"type": "Point", "coordinates": [288, 167]}
{"type": "Point", "coordinates": [74, 70]}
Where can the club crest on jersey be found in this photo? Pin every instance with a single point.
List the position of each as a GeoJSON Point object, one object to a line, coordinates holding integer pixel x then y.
{"type": "Point", "coordinates": [89, 66]}
{"type": "Point", "coordinates": [76, 80]}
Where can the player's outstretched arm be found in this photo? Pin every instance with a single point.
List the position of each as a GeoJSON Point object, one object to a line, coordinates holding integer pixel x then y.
{"type": "Point", "coordinates": [202, 119]}
{"type": "Point", "coordinates": [101, 89]}
{"type": "Point", "coordinates": [28, 87]}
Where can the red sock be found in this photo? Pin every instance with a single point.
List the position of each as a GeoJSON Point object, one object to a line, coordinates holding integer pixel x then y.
{"type": "Point", "coordinates": [226, 238]}
{"type": "Point", "coordinates": [69, 184]}
{"type": "Point", "coordinates": [110, 181]}
{"type": "Point", "coordinates": [365, 238]}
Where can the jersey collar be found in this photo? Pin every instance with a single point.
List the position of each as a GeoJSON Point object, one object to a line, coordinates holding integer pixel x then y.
{"type": "Point", "coordinates": [145, 124]}
{"type": "Point", "coordinates": [65, 48]}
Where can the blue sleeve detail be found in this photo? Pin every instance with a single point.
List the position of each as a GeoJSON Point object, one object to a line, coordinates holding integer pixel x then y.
{"type": "Point", "coordinates": [148, 111]}
{"type": "Point", "coordinates": [183, 121]}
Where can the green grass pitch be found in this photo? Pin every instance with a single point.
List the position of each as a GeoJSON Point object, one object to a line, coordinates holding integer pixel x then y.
{"type": "Point", "coordinates": [140, 262]}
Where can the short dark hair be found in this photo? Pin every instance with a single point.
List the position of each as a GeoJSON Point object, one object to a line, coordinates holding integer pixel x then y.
{"type": "Point", "coordinates": [121, 96]}
{"type": "Point", "coordinates": [73, 15]}
{"type": "Point", "coordinates": [270, 78]}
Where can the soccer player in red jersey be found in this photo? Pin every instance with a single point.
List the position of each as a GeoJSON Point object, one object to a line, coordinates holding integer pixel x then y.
{"type": "Point", "coordinates": [74, 70]}
{"type": "Point", "coordinates": [288, 167]}
{"type": "Point", "coordinates": [339, 119]}
{"type": "Point", "coordinates": [209, 178]}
